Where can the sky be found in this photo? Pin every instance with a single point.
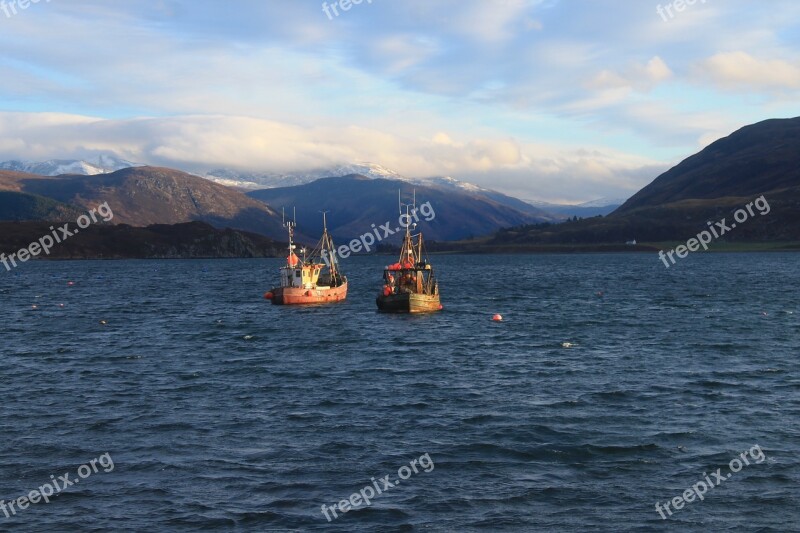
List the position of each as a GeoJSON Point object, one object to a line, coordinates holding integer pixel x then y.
{"type": "Point", "coordinates": [557, 100]}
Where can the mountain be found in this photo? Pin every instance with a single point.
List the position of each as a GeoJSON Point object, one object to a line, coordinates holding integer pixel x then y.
{"type": "Point", "coordinates": [18, 206]}
{"type": "Point", "coordinates": [357, 202]}
{"type": "Point", "coordinates": [762, 159]}
{"type": "Point", "coordinates": [604, 202]}
{"type": "Point", "coordinates": [102, 164]}
{"type": "Point", "coordinates": [601, 206]}
{"type": "Point", "coordinates": [254, 180]}
{"type": "Point", "coordinates": [447, 182]}
{"type": "Point", "coordinates": [264, 180]}
{"type": "Point", "coordinates": [750, 162]}
{"type": "Point", "coordinates": [142, 196]}
{"type": "Point", "coordinates": [178, 241]}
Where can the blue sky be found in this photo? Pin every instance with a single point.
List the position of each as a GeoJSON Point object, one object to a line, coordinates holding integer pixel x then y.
{"type": "Point", "coordinates": [563, 100]}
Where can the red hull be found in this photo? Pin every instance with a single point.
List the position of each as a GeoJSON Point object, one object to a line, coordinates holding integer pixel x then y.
{"type": "Point", "coordinates": [295, 296]}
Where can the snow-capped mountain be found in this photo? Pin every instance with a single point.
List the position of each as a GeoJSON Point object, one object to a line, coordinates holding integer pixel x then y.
{"type": "Point", "coordinates": [271, 180]}
{"type": "Point", "coordinates": [232, 179]}
{"type": "Point", "coordinates": [452, 183]}
{"type": "Point", "coordinates": [102, 164]}
{"type": "Point", "coordinates": [253, 181]}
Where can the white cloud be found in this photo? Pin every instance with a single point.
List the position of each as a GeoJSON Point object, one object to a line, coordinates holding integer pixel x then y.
{"type": "Point", "coordinates": [498, 79]}
{"type": "Point", "coordinates": [639, 77]}
{"type": "Point", "coordinates": [199, 143]}
{"type": "Point", "coordinates": [743, 72]}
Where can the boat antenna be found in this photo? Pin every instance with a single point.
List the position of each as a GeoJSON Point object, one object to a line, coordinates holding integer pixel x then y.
{"type": "Point", "coordinates": [325, 237]}
{"type": "Point", "coordinates": [325, 221]}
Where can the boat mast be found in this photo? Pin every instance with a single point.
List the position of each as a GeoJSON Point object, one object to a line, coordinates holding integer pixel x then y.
{"type": "Point", "coordinates": [327, 244]}
{"type": "Point", "coordinates": [408, 241]}
{"type": "Point", "coordinates": [290, 228]}
{"type": "Point", "coordinates": [325, 236]}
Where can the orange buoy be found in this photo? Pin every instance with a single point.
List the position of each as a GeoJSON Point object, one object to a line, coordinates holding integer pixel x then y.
{"type": "Point", "coordinates": [268, 295]}
{"type": "Point", "coordinates": [497, 318]}
{"type": "Point", "coordinates": [441, 307]}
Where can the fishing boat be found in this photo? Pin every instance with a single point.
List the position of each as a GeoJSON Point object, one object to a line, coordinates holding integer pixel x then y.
{"type": "Point", "coordinates": [307, 280]}
{"type": "Point", "coordinates": [410, 285]}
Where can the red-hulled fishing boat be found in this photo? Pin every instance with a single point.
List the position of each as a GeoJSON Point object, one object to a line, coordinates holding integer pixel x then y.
{"type": "Point", "coordinates": [307, 280]}
{"type": "Point", "coordinates": [410, 285]}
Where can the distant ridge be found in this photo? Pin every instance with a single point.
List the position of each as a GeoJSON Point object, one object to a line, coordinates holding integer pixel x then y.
{"type": "Point", "coordinates": [601, 206]}
{"type": "Point", "coordinates": [268, 180]}
{"type": "Point", "coordinates": [19, 206]}
{"type": "Point", "coordinates": [142, 196]}
{"type": "Point", "coordinates": [178, 241]}
{"type": "Point", "coordinates": [357, 202]}
{"type": "Point", "coordinates": [102, 164]}
{"type": "Point", "coordinates": [754, 160]}
{"type": "Point", "coordinates": [250, 181]}
{"type": "Point", "coordinates": [762, 159]}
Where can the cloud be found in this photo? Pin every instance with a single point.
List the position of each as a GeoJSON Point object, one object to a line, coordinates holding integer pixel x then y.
{"type": "Point", "coordinates": [199, 143]}
{"type": "Point", "coordinates": [638, 77]}
{"type": "Point", "coordinates": [740, 71]}
{"type": "Point", "coordinates": [609, 88]}
{"type": "Point", "coordinates": [280, 84]}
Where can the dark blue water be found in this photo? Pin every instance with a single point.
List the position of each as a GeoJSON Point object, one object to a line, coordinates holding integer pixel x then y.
{"type": "Point", "coordinates": [224, 413]}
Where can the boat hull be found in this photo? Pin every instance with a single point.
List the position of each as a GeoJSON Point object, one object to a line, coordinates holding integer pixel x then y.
{"type": "Point", "coordinates": [409, 303]}
{"type": "Point", "coordinates": [297, 296]}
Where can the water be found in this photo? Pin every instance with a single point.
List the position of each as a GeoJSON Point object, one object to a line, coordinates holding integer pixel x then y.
{"type": "Point", "coordinates": [224, 413]}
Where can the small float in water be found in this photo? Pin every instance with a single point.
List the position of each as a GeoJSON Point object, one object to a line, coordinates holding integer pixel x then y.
{"type": "Point", "coordinates": [309, 280]}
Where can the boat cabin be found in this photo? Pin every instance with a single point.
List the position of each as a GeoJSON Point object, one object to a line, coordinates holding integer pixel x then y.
{"type": "Point", "coordinates": [407, 278]}
{"type": "Point", "coordinates": [298, 275]}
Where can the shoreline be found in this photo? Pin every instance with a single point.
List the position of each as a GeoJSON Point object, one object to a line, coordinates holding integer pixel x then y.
{"type": "Point", "coordinates": [488, 250]}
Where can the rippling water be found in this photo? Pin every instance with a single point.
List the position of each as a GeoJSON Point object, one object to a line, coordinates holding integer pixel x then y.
{"type": "Point", "coordinates": [222, 412]}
